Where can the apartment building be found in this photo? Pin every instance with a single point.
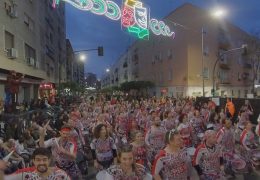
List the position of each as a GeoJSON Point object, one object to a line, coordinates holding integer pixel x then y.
{"type": "Point", "coordinates": [32, 42]}
{"type": "Point", "coordinates": [74, 67]}
{"type": "Point", "coordinates": [177, 66]}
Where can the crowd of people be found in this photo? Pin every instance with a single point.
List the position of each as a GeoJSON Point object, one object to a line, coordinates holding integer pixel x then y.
{"type": "Point", "coordinates": [154, 138]}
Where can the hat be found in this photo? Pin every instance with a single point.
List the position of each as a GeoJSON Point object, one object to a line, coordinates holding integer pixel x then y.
{"type": "Point", "coordinates": [151, 111]}
{"type": "Point", "coordinates": [210, 126]}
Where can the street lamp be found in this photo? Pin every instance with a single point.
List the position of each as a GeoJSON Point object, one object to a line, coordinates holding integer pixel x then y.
{"type": "Point", "coordinates": [219, 56]}
{"type": "Point", "coordinates": [217, 13]}
{"type": "Point", "coordinates": [107, 70]}
{"type": "Point", "coordinates": [82, 57]}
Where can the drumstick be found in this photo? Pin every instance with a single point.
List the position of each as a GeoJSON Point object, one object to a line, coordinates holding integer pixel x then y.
{"type": "Point", "coordinates": [6, 158]}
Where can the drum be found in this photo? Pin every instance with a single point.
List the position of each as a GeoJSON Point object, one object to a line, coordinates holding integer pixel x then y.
{"type": "Point", "coordinates": [256, 158]}
{"type": "Point", "coordinates": [239, 165]}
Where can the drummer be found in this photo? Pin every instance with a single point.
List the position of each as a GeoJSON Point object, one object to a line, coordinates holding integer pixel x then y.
{"type": "Point", "coordinates": [208, 159]}
{"type": "Point", "coordinates": [173, 162]}
{"type": "Point", "coordinates": [247, 138]}
{"type": "Point", "coordinates": [126, 168]}
{"type": "Point", "coordinates": [226, 137]}
{"type": "Point", "coordinates": [247, 142]}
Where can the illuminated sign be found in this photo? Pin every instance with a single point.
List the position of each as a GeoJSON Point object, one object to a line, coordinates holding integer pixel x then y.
{"type": "Point", "coordinates": [134, 15]}
{"type": "Point", "coordinates": [135, 18]}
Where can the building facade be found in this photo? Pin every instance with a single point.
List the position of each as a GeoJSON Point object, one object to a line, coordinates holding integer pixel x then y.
{"type": "Point", "coordinates": [91, 80]}
{"type": "Point", "coordinates": [32, 42]}
{"type": "Point", "coordinates": [74, 67]}
{"type": "Point", "coordinates": [177, 66]}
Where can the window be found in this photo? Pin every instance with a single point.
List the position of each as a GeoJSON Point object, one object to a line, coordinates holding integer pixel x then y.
{"type": "Point", "coordinates": [28, 22]}
{"type": "Point", "coordinates": [161, 77]}
{"type": "Point", "coordinates": [206, 73]}
{"type": "Point", "coordinates": [223, 75]}
{"type": "Point", "coordinates": [246, 92]}
{"type": "Point", "coordinates": [223, 56]}
{"type": "Point", "coordinates": [170, 75]}
{"type": "Point", "coordinates": [30, 52]}
{"type": "Point", "coordinates": [169, 54]}
{"type": "Point", "coordinates": [9, 40]}
{"type": "Point", "coordinates": [51, 38]}
{"type": "Point", "coordinates": [31, 24]}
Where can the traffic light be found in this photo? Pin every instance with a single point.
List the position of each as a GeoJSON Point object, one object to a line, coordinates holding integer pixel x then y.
{"type": "Point", "coordinates": [100, 51]}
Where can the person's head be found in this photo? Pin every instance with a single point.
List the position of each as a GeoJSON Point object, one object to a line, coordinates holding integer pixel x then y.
{"type": "Point", "coordinates": [249, 126]}
{"type": "Point", "coordinates": [138, 136]}
{"type": "Point", "coordinates": [21, 140]}
{"type": "Point", "coordinates": [166, 114]}
{"type": "Point", "coordinates": [173, 138]}
{"type": "Point", "coordinates": [197, 113]}
{"type": "Point", "coordinates": [183, 118]}
{"type": "Point", "coordinates": [100, 131]}
{"type": "Point", "coordinates": [156, 121]}
{"type": "Point", "coordinates": [126, 157]}
{"type": "Point", "coordinates": [41, 158]}
{"type": "Point", "coordinates": [228, 123]}
{"type": "Point", "coordinates": [65, 131]}
{"type": "Point", "coordinates": [210, 138]}
{"type": "Point", "coordinates": [11, 143]}
{"type": "Point", "coordinates": [205, 105]}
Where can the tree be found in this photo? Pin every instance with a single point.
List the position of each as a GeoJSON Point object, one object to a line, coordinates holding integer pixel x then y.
{"type": "Point", "coordinates": [136, 86]}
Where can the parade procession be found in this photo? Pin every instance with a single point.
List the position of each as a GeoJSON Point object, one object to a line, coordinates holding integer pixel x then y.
{"type": "Point", "coordinates": [129, 90]}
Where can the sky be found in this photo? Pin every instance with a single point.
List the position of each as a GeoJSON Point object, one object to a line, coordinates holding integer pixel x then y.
{"type": "Point", "coordinates": [86, 30]}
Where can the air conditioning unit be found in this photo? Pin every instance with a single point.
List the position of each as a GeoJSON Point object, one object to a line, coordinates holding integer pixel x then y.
{"type": "Point", "coordinates": [13, 13]}
{"type": "Point", "coordinates": [30, 61]}
{"type": "Point", "coordinates": [12, 53]}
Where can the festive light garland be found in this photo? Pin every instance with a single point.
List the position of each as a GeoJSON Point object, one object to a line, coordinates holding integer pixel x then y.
{"type": "Point", "coordinates": [135, 18]}
{"type": "Point", "coordinates": [134, 15]}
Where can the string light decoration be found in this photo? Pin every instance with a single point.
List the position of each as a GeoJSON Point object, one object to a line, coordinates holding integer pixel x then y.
{"type": "Point", "coordinates": [134, 16]}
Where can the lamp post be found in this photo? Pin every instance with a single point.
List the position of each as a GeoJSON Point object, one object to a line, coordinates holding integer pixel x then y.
{"type": "Point", "coordinates": [216, 13]}
{"type": "Point", "coordinates": [219, 56]}
{"type": "Point", "coordinates": [202, 62]}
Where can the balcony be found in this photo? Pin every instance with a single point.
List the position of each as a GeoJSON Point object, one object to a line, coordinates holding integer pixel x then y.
{"type": "Point", "coordinates": [245, 76]}
{"type": "Point", "coordinates": [223, 41]}
{"type": "Point", "coordinates": [125, 65]}
{"type": "Point", "coordinates": [224, 65]}
{"type": "Point", "coordinates": [247, 65]}
{"type": "Point", "coordinates": [226, 81]}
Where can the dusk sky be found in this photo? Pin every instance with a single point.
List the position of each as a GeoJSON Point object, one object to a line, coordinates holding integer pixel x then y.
{"type": "Point", "coordinates": [87, 31]}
